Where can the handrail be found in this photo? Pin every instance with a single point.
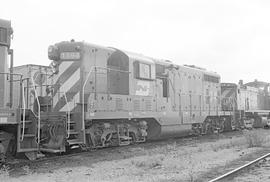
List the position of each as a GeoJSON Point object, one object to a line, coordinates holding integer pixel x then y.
{"type": "Point", "coordinates": [68, 117]}
{"type": "Point", "coordinates": [173, 87]}
{"type": "Point", "coordinates": [36, 96]}
{"type": "Point", "coordinates": [84, 84]}
{"type": "Point", "coordinates": [23, 98]}
{"type": "Point", "coordinates": [17, 74]}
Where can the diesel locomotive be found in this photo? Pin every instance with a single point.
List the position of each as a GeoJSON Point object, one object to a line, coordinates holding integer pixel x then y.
{"type": "Point", "coordinates": [115, 97]}
{"type": "Point", "coordinates": [93, 97]}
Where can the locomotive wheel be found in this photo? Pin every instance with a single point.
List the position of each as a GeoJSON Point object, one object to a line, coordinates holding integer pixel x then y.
{"type": "Point", "coordinates": [133, 136]}
{"type": "Point", "coordinates": [222, 126]}
{"type": "Point", "coordinates": [207, 128]}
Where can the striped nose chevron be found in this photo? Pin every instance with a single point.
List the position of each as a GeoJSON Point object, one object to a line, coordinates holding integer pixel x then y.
{"type": "Point", "coordinates": [67, 86]}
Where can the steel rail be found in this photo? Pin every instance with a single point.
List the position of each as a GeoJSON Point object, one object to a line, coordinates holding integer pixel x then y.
{"type": "Point", "coordinates": [239, 168]}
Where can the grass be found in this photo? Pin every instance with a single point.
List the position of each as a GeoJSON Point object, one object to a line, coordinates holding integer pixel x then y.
{"type": "Point", "coordinates": [227, 144]}
{"type": "Point", "coordinates": [169, 157]}
{"type": "Point", "coordinates": [254, 138]}
{"type": "Point", "coordinates": [27, 170]}
{"type": "Point", "coordinates": [4, 173]}
{"type": "Point", "coordinates": [149, 162]}
{"type": "Point", "coordinates": [191, 169]}
{"type": "Point", "coordinates": [173, 160]}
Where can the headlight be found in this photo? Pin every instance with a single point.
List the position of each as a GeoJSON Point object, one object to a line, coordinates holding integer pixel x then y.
{"type": "Point", "coordinates": [53, 53]}
{"type": "Point", "coordinates": [55, 67]}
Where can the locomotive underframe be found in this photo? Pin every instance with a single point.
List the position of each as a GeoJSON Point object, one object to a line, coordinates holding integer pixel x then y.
{"type": "Point", "coordinates": [106, 133]}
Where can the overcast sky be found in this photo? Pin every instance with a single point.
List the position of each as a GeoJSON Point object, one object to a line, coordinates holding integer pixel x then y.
{"type": "Point", "coordinates": [230, 37]}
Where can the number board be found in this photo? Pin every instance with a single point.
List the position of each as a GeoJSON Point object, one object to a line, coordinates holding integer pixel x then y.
{"type": "Point", "coordinates": [70, 55]}
{"type": "Point", "coordinates": [3, 119]}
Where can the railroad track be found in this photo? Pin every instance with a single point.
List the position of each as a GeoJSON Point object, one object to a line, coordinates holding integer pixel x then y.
{"type": "Point", "coordinates": [187, 140]}
{"type": "Point", "coordinates": [104, 151]}
{"type": "Point", "coordinates": [234, 172]}
{"type": "Point", "coordinates": [93, 152]}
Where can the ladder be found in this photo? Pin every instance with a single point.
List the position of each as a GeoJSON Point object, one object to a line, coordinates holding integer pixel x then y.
{"type": "Point", "coordinates": [74, 136]}
{"type": "Point", "coordinates": [26, 132]}
{"type": "Point", "coordinates": [74, 132]}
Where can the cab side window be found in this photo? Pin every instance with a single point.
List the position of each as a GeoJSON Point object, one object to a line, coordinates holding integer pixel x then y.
{"type": "Point", "coordinates": [118, 73]}
{"type": "Point", "coordinates": [3, 35]}
{"type": "Point", "coordinates": [142, 70]}
{"type": "Point", "coordinates": [161, 75]}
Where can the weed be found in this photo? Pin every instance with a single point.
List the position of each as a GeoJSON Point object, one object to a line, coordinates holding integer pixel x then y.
{"type": "Point", "coordinates": [148, 162]}
{"type": "Point", "coordinates": [200, 149]}
{"type": "Point", "coordinates": [171, 147]}
{"type": "Point", "coordinates": [253, 138]}
{"type": "Point", "coordinates": [4, 173]}
{"type": "Point", "coordinates": [27, 170]}
{"type": "Point", "coordinates": [191, 169]}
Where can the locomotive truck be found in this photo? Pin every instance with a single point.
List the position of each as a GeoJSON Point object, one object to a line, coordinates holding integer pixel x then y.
{"type": "Point", "coordinates": [95, 97]}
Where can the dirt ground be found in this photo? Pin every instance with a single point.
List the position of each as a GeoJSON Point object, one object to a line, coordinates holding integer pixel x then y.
{"type": "Point", "coordinates": [172, 160]}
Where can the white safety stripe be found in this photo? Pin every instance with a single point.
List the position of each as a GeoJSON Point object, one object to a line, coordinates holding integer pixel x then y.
{"type": "Point", "coordinates": [225, 92]}
{"type": "Point", "coordinates": [62, 68]}
{"type": "Point", "coordinates": [65, 87]}
{"type": "Point", "coordinates": [71, 104]}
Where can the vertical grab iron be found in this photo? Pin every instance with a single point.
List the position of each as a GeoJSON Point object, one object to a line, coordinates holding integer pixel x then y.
{"type": "Point", "coordinates": [68, 115]}
{"type": "Point", "coordinates": [36, 96]}
{"type": "Point", "coordinates": [84, 84]}
{"type": "Point", "coordinates": [24, 107]}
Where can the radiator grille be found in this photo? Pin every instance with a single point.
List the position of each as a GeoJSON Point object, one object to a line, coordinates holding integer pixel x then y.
{"type": "Point", "coordinates": [136, 105]}
{"type": "Point", "coordinates": [148, 105]}
{"type": "Point", "coordinates": [119, 104]}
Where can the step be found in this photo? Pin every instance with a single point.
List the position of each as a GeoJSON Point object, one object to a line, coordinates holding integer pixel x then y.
{"type": "Point", "coordinates": [124, 143]}
{"type": "Point", "coordinates": [27, 149]}
{"type": "Point", "coordinates": [71, 122]}
{"type": "Point", "coordinates": [140, 140]}
{"type": "Point", "coordinates": [125, 138]}
{"type": "Point", "coordinates": [73, 132]}
{"type": "Point", "coordinates": [45, 105]}
{"type": "Point", "coordinates": [54, 114]}
{"type": "Point", "coordinates": [51, 150]}
{"type": "Point", "coordinates": [29, 135]}
{"type": "Point", "coordinates": [57, 120]}
{"type": "Point", "coordinates": [74, 141]}
{"type": "Point", "coordinates": [27, 121]}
